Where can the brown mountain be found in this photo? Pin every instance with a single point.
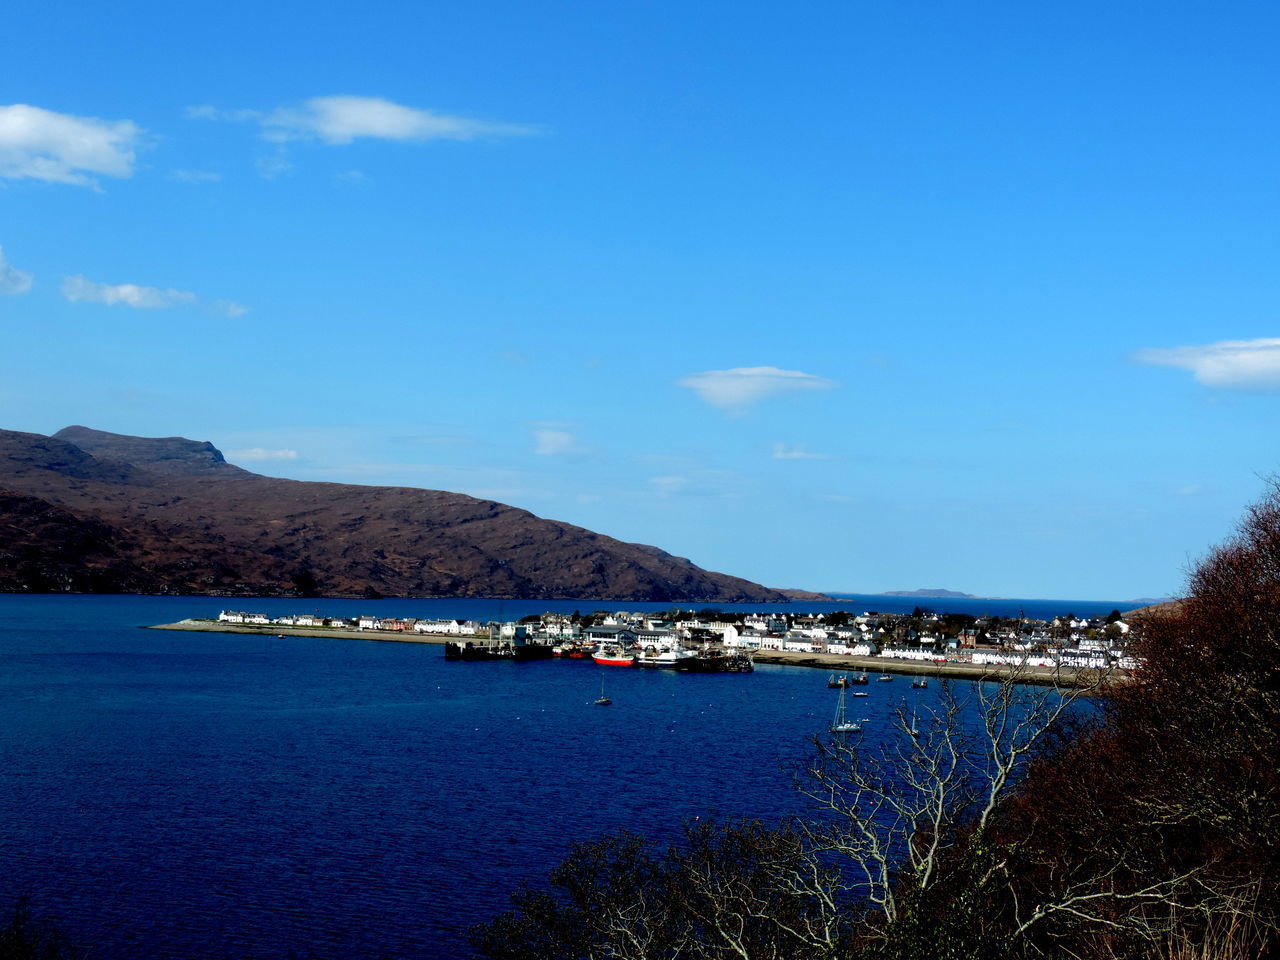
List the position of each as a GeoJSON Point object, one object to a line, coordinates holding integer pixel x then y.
{"type": "Point", "coordinates": [87, 511]}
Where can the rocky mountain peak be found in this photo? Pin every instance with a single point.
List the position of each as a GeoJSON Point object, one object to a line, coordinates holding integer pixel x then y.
{"type": "Point", "coordinates": [169, 455]}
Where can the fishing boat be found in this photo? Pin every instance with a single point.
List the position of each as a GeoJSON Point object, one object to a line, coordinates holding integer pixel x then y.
{"type": "Point", "coordinates": [716, 660]}
{"type": "Point", "coordinates": [919, 683]}
{"type": "Point", "coordinates": [666, 657]}
{"type": "Point", "coordinates": [602, 700]}
{"type": "Point", "coordinates": [841, 724]}
{"type": "Point", "coordinates": [612, 655]}
{"type": "Point", "coordinates": [860, 679]}
{"type": "Point", "coordinates": [837, 683]}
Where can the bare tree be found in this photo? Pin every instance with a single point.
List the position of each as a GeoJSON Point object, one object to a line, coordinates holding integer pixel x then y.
{"type": "Point", "coordinates": [909, 814]}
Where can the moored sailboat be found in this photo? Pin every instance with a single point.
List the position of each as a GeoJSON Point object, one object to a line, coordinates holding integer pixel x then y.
{"type": "Point", "coordinates": [841, 724]}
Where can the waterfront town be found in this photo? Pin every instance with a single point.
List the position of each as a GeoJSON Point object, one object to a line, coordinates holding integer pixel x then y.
{"type": "Point", "coordinates": [926, 636]}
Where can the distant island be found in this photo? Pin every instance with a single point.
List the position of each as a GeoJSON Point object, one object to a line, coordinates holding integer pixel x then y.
{"type": "Point", "coordinates": [932, 593]}
{"type": "Point", "coordinates": [85, 511]}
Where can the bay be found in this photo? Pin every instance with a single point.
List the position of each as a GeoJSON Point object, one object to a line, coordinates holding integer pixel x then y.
{"type": "Point", "coordinates": [174, 795]}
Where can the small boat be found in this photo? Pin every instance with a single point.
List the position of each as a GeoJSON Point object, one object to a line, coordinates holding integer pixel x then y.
{"type": "Point", "coordinates": [837, 683]}
{"type": "Point", "coordinates": [884, 678]}
{"type": "Point", "coordinates": [669, 657]}
{"type": "Point", "coordinates": [919, 683]}
{"type": "Point", "coordinates": [602, 700]}
{"type": "Point", "coordinates": [612, 655]}
{"type": "Point", "coordinates": [841, 724]}
{"type": "Point", "coordinates": [860, 693]}
{"type": "Point", "coordinates": [717, 661]}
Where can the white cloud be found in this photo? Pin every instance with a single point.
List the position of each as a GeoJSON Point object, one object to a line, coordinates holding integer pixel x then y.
{"type": "Point", "coordinates": [228, 308]}
{"type": "Point", "coordinates": [39, 144]}
{"type": "Point", "coordinates": [550, 443]}
{"type": "Point", "coordinates": [737, 389]}
{"type": "Point", "coordinates": [260, 454]}
{"type": "Point", "coordinates": [342, 119]}
{"type": "Point", "coordinates": [80, 289]}
{"type": "Point", "coordinates": [782, 452]}
{"type": "Point", "coordinates": [275, 165]}
{"type": "Point", "coordinates": [666, 486]}
{"type": "Point", "coordinates": [194, 176]}
{"type": "Point", "coordinates": [13, 280]}
{"type": "Point", "coordinates": [1243, 364]}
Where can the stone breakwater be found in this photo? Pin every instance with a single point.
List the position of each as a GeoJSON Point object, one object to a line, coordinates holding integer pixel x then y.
{"type": "Point", "coordinates": [274, 630]}
{"type": "Point", "coordinates": [833, 663]}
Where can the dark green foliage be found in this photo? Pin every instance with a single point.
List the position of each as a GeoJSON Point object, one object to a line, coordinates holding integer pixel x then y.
{"type": "Point", "coordinates": [28, 937]}
{"type": "Point", "coordinates": [727, 891]}
{"type": "Point", "coordinates": [305, 584]}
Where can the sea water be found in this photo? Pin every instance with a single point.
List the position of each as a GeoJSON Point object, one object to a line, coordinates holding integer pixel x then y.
{"type": "Point", "coordinates": [179, 795]}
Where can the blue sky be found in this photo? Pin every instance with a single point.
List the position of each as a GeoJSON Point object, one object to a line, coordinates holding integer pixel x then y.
{"type": "Point", "coordinates": [845, 296]}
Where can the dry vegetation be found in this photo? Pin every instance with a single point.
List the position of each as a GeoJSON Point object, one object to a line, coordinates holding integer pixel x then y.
{"type": "Point", "coordinates": [1151, 830]}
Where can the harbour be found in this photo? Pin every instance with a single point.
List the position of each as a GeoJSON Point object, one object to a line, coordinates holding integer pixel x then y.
{"type": "Point", "coordinates": [955, 669]}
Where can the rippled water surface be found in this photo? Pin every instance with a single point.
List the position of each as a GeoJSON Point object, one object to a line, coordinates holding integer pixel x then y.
{"type": "Point", "coordinates": [175, 794]}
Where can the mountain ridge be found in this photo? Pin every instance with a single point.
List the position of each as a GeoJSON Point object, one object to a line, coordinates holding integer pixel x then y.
{"type": "Point", "coordinates": [170, 515]}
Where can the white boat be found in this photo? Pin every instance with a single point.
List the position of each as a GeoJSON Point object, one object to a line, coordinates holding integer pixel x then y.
{"type": "Point", "coordinates": [602, 700]}
{"type": "Point", "coordinates": [841, 724]}
{"type": "Point", "coordinates": [666, 657]}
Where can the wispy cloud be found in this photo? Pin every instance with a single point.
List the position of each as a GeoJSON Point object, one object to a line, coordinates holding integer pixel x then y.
{"type": "Point", "coordinates": [39, 144]}
{"type": "Point", "coordinates": [258, 454]}
{"type": "Point", "coordinates": [13, 280]}
{"type": "Point", "coordinates": [343, 118]}
{"type": "Point", "coordinates": [273, 165]}
{"type": "Point", "coordinates": [80, 289]}
{"type": "Point", "coordinates": [666, 486]}
{"type": "Point", "coordinates": [1239, 364]}
{"type": "Point", "coordinates": [551, 443]}
{"type": "Point", "coordinates": [228, 308]}
{"type": "Point", "coordinates": [782, 452]}
{"type": "Point", "coordinates": [736, 390]}
{"type": "Point", "coordinates": [195, 176]}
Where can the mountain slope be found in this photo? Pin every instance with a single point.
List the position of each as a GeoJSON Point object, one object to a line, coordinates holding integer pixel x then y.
{"type": "Point", "coordinates": [170, 515]}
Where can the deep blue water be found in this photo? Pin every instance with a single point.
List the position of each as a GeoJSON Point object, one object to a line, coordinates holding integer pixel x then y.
{"type": "Point", "coordinates": [173, 794]}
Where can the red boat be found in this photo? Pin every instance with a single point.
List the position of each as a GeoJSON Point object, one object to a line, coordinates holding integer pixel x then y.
{"type": "Point", "coordinates": [612, 655]}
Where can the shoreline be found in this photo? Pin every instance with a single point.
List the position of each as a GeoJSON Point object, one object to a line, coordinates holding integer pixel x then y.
{"type": "Point", "coordinates": [831, 662]}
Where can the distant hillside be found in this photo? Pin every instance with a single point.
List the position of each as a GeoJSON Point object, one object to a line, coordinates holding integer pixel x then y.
{"type": "Point", "coordinates": [930, 593]}
{"type": "Point", "coordinates": [88, 511]}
